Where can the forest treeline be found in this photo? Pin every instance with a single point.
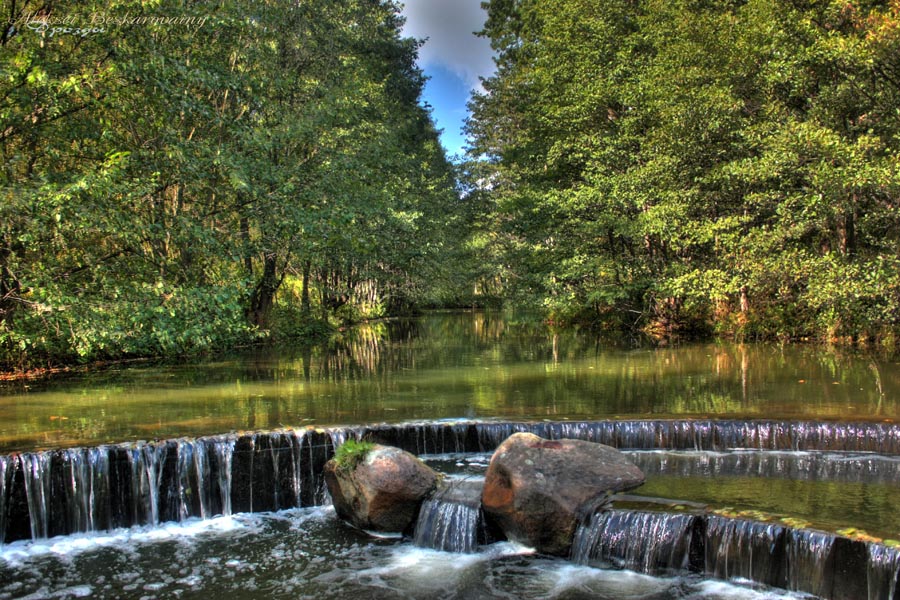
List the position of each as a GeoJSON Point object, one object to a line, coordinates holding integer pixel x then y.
{"type": "Point", "coordinates": [179, 177]}
{"type": "Point", "coordinates": [171, 169]}
{"type": "Point", "coordinates": [727, 166]}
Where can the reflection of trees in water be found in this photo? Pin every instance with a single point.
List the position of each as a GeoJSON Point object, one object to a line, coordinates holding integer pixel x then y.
{"type": "Point", "coordinates": [488, 327]}
{"type": "Point", "coordinates": [450, 365]}
{"type": "Point", "coordinates": [356, 355]}
{"type": "Point", "coordinates": [696, 379]}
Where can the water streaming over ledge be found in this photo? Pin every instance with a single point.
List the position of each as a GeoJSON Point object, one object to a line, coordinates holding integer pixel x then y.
{"type": "Point", "coordinates": [50, 493]}
{"type": "Point", "coordinates": [91, 489]}
{"type": "Point", "coordinates": [802, 560]}
{"type": "Point", "coordinates": [44, 494]}
{"type": "Point", "coordinates": [844, 467]}
{"type": "Point", "coordinates": [452, 520]}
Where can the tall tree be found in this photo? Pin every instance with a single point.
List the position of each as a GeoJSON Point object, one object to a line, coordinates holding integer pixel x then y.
{"type": "Point", "coordinates": [693, 165]}
{"type": "Point", "coordinates": [166, 166]}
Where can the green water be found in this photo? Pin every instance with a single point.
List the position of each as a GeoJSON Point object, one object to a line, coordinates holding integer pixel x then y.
{"type": "Point", "coordinates": [448, 366]}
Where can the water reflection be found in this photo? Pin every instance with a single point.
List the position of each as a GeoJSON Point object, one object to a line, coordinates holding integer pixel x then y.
{"type": "Point", "coordinates": [470, 365]}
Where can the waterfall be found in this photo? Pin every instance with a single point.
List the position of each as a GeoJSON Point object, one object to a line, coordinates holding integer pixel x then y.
{"type": "Point", "coordinates": [689, 434]}
{"type": "Point", "coordinates": [37, 491]}
{"type": "Point", "coordinates": [737, 548]}
{"type": "Point", "coordinates": [652, 543]}
{"type": "Point", "coordinates": [58, 492]}
{"type": "Point", "coordinates": [6, 474]}
{"type": "Point", "coordinates": [810, 562]}
{"type": "Point", "coordinates": [883, 570]}
{"type": "Point", "coordinates": [447, 526]}
{"type": "Point", "coordinates": [810, 466]}
{"type": "Point", "coordinates": [800, 560]}
{"type": "Point", "coordinates": [88, 482]}
{"type": "Point", "coordinates": [703, 434]}
{"type": "Point", "coordinates": [451, 520]}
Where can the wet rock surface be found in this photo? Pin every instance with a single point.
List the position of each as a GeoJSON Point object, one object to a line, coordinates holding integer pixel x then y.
{"type": "Point", "coordinates": [383, 492]}
{"type": "Point", "coordinates": [536, 490]}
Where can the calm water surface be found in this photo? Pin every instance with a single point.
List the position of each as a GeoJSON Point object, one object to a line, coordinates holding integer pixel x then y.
{"type": "Point", "coordinates": [448, 366]}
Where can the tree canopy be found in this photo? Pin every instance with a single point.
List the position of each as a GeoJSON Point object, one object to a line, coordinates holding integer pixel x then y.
{"type": "Point", "coordinates": [181, 177]}
{"type": "Point", "coordinates": [685, 165]}
{"type": "Point", "coordinates": [169, 168]}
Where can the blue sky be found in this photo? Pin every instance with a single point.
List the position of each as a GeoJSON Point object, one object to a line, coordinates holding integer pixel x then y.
{"type": "Point", "coordinates": [447, 93]}
{"type": "Point", "coordinates": [453, 57]}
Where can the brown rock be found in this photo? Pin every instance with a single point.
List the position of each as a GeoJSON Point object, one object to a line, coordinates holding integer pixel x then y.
{"type": "Point", "coordinates": [383, 492]}
{"type": "Point", "coordinates": [535, 488]}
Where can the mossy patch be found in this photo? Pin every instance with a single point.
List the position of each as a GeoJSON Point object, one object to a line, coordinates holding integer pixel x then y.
{"type": "Point", "coordinates": [351, 453]}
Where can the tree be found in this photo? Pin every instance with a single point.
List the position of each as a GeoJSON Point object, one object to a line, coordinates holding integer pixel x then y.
{"type": "Point", "coordinates": [687, 165]}
{"type": "Point", "coordinates": [162, 177]}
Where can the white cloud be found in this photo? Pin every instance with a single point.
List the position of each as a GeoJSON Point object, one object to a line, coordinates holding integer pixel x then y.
{"type": "Point", "coordinates": [449, 26]}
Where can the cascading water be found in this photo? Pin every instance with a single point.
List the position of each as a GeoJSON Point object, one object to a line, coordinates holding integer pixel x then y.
{"type": "Point", "coordinates": [801, 560]}
{"type": "Point", "coordinates": [94, 489]}
{"type": "Point", "coordinates": [737, 548]}
{"type": "Point", "coordinates": [813, 466]}
{"type": "Point", "coordinates": [6, 474]}
{"type": "Point", "coordinates": [647, 542]}
{"type": "Point", "coordinates": [883, 572]}
{"type": "Point", "coordinates": [712, 435]}
{"type": "Point", "coordinates": [37, 492]}
{"type": "Point", "coordinates": [811, 564]}
{"type": "Point", "coordinates": [72, 490]}
{"type": "Point", "coordinates": [451, 520]}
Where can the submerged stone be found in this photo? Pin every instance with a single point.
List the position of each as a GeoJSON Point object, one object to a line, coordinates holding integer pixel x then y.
{"type": "Point", "coordinates": [382, 492]}
{"type": "Point", "coordinates": [536, 490]}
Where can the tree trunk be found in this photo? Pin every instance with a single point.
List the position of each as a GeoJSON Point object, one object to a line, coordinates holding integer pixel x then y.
{"type": "Point", "coordinates": [304, 292]}
{"type": "Point", "coordinates": [847, 233]}
{"type": "Point", "coordinates": [264, 295]}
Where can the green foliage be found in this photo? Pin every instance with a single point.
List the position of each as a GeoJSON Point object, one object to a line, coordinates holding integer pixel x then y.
{"type": "Point", "coordinates": [352, 452]}
{"type": "Point", "coordinates": [135, 320]}
{"type": "Point", "coordinates": [684, 166]}
{"type": "Point", "coordinates": [162, 179]}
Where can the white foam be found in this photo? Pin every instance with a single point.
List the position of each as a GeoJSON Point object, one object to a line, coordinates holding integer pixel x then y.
{"type": "Point", "coordinates": [425, 563]}
{"type": "Point", "coordinates": [70, 545]}
{"type": "Point", "coordinates": [78, 591]}
{"type": "Point", "coordinates": [734, 590]}
{"type": "Point", "coordinates": [622, 585]}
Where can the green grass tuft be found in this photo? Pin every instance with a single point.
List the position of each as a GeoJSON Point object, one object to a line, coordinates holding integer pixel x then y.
{"type": "Point", "coordinates": [351, 453]}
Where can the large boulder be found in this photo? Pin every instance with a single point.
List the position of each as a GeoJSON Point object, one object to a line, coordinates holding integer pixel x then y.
{"type": "Point", "coordinates": [382, 490]}
{"type": "Point", "coordinates": [537, 489]}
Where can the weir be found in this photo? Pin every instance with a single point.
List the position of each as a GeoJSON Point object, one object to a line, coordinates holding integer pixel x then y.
{"type": "Point", "coordinates": [72, 490]}
{"type": "Point", "coordinates": [647, 542]}
{"type": "Point", "coordinates": [704, 434]}
{"type": "Point", "coordinates": [55, 492]}
{"type": "Point", "coordinates": [812, 466]}
{"type": "Point", "coordinates": [801, 560]}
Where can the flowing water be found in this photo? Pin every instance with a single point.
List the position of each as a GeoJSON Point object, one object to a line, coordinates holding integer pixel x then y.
{"type": "Point", "coordinates": [308, 553]}
{"type": "Point", "coordinates": [768, 466]}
